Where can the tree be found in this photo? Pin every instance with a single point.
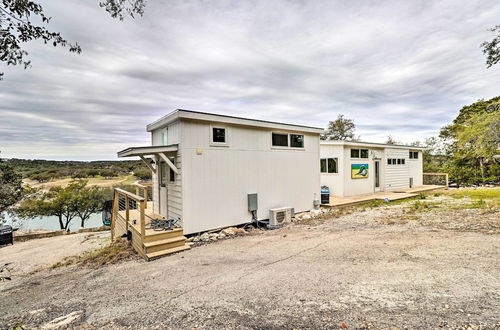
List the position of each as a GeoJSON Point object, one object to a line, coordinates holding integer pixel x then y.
{"type": "Point", "coordinates": [10, 187]}
{"type": "Point", "coordinates": [66, 203]}
{"type": "Point", "coordinates": [143, 174]}
{"type": "Point", "coordinates": [391, 140]}
{"type": "Point", "coordinates": [340, 129]}
{"type": "Point", "coordinates": [479, 139]}
{"type": "Point", "coordinates": [17, 26]}
{"type": "Point", "coordinates": [472, 141]}
{"type": "Point", "coordinates": [88, 200]}
{"type": "Point", "coordinates": [492, 48]}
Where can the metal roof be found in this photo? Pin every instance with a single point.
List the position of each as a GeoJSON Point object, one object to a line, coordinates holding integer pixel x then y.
{"type": "Point", "coordinates": [206, 116]}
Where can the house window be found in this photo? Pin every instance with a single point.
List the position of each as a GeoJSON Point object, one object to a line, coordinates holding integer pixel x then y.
{"type": "Point", "coordinates": [413, 154]}
{"type": "Point", "coordinates": [163, 174]}
{"type": "Point", "coordinates": [396, 161]}
{"type": "Point", "coordinates": [165, 137]}
{"type": "Point", "coordinates": [218, 135]}
{"type": "Point", "coordinates": [280, 140]}
{"type": "Point", "coordinates": [359, 153]}
{"type": "Point", "coordinates": [329, 165]}
{"type": "Point", "coordinates": [322, 165]}
{"type": "Point", "coordinates": [171, 177]}
{"type": "Point", "coordinates": [296, 141]}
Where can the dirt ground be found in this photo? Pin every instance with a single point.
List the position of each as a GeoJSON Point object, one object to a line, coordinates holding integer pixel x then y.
{"type": "Point", "coordinates": [403, 266]}
{"type": "Point", "coordinates": [25, 257]}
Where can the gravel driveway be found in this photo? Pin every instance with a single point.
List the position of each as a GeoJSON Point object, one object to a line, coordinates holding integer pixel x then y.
{"type": "Point", "coordinates": [354, 271]}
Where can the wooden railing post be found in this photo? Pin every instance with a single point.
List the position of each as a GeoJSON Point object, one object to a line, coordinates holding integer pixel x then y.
{"type": "Point", "coordinates": [143, 218]}
{"type": "Point", "coordinates": [146, 197]}
{"type": "Point", "coordinates": [114, 212]}
{"type": "Point", "coordinates": [447, 181]}
{"type": "Point", "coordinates": [127, 213]}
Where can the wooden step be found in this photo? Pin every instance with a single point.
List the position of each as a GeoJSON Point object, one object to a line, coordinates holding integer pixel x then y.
{"type": "Point", "coordinates": [158, 254]}
{"type": "Point", "coordinates": [152, 235]}
{"type": "Point", "coordinates": [164, 244]}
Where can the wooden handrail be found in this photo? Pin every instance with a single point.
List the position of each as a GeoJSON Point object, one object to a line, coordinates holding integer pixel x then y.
{"type": "Point", "coordinates": [446, 177]}
{"type": "Point", "coordinates": [138, 187]}
{"type": "Point", "coordinates": [141, 206]}
{"type": "Point", "coordinates": [135, 197]}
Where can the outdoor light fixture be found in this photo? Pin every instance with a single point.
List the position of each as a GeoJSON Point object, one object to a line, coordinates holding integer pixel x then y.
{"type": "Point", "coordinates": [152, 161]}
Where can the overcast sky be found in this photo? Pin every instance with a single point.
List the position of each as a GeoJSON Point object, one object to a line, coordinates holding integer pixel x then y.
{"type": "Point", "coordinates": [403, 68]}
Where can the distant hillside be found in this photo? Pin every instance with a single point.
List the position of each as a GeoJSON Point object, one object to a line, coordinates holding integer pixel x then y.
{"type": "Point", "coordinates": [46, 170]}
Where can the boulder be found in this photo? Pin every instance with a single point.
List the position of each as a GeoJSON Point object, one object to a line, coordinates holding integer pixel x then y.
{"type": "Point", "coordinates": [315, 213]}
{"type": "Point", "coordinates": [205, 237]}
{"type": "Point", "coordinates": [229, 231]}
{"type": "Point", "coordinates": [306, 217]}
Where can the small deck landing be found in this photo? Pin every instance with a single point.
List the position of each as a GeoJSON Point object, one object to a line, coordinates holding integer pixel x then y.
{"type": "Point", "coordinates": [154, 243]}
{"type": "Point", "coordinates": [392, 195]}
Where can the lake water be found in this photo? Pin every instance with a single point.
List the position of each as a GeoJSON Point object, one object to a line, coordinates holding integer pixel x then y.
{"type": "Point", "coordinates": [52, 222]}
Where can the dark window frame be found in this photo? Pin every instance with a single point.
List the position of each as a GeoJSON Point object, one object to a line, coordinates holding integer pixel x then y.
{"type": "Point", "coordinates": [215, 135]}
{"type": "Point", "coordinates": [355, 151]}
{"type": "Point", "coordinates": [326, 162]}
{"type": "Point", "coordinates": [280, 145]}
{"type": "Point", "coordinates": [323, 165]}
{"type": "Point", "coordinates": [171, 174]}
{"type": "Point", "coordinates": [292, 142]}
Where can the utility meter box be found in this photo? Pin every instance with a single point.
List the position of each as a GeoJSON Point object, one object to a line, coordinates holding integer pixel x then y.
{"type": "Point", "coordinates": [252, 202]}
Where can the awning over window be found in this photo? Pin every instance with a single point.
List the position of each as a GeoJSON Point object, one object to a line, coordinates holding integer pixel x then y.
{"type": "Point", "coordinates": [144, 151]}
{"type": "Point", "coordinates": [159, 151]}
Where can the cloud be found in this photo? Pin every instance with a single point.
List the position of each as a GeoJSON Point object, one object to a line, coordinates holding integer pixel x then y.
{"type": "Point", "coordinates": [399, 68]}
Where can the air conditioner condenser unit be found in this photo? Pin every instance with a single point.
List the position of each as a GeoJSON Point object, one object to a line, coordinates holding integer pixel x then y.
{"type": "Point", "coordinates": [280, 216]}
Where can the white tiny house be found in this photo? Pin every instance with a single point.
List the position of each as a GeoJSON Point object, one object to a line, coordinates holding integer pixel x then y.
{"type": "Point", "coordinates": [205, 165]}
{"type": "Point", "coordinates": [351, 168]}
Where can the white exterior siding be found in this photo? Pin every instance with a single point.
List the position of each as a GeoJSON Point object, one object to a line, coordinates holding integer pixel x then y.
{"type": "Point", "coordinates": [156, 189]}
{"type": "Point", "coordinates": [396, 176]}
{"type": "Point", "coordinates": [172, 131]}
{"type": "Point", "coordinates": [416, 169]}
{"type": "Point", "coordinates": [352, 186]}
{"type": "Point", "coordinates": [217, 179]}
{"type": "Point", "coordinates": [334, 181]}
{"type": "Point", "coordinates": [174, 190]}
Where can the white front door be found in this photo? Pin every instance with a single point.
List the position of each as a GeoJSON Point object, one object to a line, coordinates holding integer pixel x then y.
{"type": "Point", "coordinates": [163, 189]}
{"type": "Point", "coordinates": [377, 175]}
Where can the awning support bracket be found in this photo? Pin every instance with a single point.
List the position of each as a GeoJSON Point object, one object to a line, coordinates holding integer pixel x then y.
{"type": "Point", "coordinates": [169, 162]}
{"type": "Point", "coordinates": [148, 164]}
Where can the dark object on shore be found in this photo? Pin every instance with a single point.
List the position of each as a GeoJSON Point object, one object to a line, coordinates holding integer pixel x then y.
{"type": "Point", "coordinates": [106, 213]}
{"type": "Point", "coordinates": [6, 236]}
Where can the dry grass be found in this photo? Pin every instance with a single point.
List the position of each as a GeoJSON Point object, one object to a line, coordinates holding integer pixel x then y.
{"type": "Point", "coordinates": [110, 254]}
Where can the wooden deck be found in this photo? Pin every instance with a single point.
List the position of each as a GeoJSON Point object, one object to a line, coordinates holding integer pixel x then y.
{"type": "Point", "coordinates": [392, 195]}
{"type": "Point", "coordinates": [148, 243]}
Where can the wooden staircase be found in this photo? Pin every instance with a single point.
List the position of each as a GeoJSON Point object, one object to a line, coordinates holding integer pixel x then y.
{"type": "Point", "coordinates": [161, 243]}
{"type": "Point", "coordinates": [134, 218]}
